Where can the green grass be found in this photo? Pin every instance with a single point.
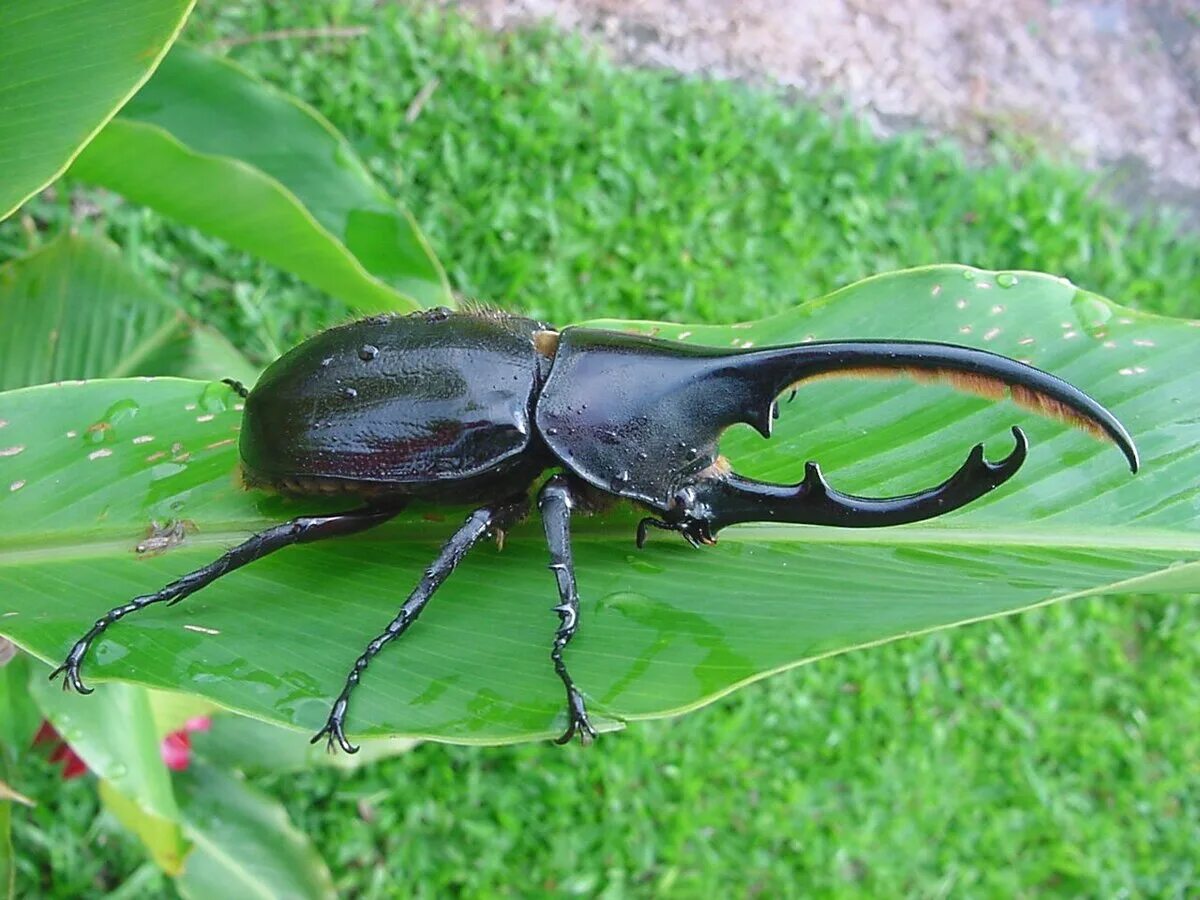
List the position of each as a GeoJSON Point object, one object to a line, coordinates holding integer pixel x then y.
{"type": "Point", "coordinates": [1054, 752]}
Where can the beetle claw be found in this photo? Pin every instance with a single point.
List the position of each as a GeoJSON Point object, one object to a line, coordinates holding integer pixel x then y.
{"type": "Point", "coordinates": [333, 730]}
{"type": "Point", "coordinates": [578, 721]}
{"type": "Point", "coordinates": [70, 669]}
{"type": "Point", "coordinates": [334, 734]}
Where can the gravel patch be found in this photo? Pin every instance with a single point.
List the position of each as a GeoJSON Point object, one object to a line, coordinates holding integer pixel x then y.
{"type": "Point", "coordinates": [1109, 84]}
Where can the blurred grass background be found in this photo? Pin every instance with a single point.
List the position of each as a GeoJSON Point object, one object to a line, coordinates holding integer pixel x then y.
{"type": "Point", "coordinates": [1056, 752]}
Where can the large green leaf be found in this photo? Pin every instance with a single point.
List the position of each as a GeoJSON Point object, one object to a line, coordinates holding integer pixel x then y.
{"type": "Point", "coordinates": [75, 309]}
{"type": "Point", "coordinates": [664, 629]}
{"type": "Point", "coordinates": [209, 144]}
{"type": "Point", "coordinates": [65, 67]}
{"type": "Point", "coordinates": [243, 844]}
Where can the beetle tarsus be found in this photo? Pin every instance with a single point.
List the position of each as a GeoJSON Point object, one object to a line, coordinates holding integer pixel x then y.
{"type": "Point", "coordinates": [578, 721]}
{"type": "Point", "coordinates": [555, 502]}
{"type": "Point", "coordinates": [334, 730]}
{"type": "Point", "coordinates": [70, 669]}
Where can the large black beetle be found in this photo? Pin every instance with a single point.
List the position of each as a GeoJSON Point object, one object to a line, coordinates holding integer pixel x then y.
{"type": "Point", "coordinates": [474, 407]}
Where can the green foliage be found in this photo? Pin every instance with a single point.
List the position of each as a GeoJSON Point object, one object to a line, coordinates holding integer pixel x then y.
{"type": "Point", "coordinates": [210, 145]}
{"type": "Point", "coordinates": [1047, 753]}
{"type": "Point", "coordinates": [75, 309]}
{"type": "Point", "coordinates": [65, 68]}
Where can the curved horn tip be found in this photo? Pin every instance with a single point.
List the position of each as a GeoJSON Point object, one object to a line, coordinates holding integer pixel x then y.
{"type": "Point", "coordinates": [1126, 445]}
{"type": "Point", "coordinates": [1016, 457]}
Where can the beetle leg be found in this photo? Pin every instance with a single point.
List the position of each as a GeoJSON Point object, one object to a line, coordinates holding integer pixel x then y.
{"type": "Point", "coordinates": [555, 502]}
{"type": "Point", "coordinates": [479, 524]}
{"type": "Point", "coordinates": [297, 531]}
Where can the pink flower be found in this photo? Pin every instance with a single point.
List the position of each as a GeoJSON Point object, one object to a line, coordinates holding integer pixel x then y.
{"type": "Point", "coordinates": [176, 747]}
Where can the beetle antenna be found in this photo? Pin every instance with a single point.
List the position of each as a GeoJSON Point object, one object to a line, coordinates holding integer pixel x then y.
{"type": "Point", "coordinates": [240, 389]}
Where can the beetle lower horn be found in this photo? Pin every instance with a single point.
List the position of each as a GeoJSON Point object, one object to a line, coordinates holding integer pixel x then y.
{"type": "Point", "coordinates": [714, 503]}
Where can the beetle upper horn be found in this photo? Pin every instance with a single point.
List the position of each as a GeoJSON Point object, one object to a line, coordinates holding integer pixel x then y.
{"type": "Point", "coordinates": [976, 371]}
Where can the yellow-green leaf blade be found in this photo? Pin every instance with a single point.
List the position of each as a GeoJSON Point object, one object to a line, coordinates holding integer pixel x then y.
{"type": "Point", "coordinates": [65, 69]}
{"type": "Point", "coordinates": [209, 144]}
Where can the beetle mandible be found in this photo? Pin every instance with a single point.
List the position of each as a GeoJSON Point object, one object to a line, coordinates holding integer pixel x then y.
{"type": "Point", "coordinates": [473, 407]}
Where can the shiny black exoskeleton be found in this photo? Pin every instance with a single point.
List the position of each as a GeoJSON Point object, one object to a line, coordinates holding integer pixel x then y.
{"type": "Point", "coordinates": [475, 407]}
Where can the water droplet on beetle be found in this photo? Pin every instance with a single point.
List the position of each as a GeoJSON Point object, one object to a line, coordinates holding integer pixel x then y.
{"type": "Point", "coordinates": [326, 361]}
{"type": "Point", "coordinates": [692, 453]}
{"type": "Point", "coordinates": [349, 393]}
{"type": "Point", "coordinates": [1006, 279]}
{"type": "Point", "coordinates": [623, 476]}
{"type": "Point", "coordinates": [368, 352]}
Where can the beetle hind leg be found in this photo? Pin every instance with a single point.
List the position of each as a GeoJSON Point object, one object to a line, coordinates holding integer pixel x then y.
{"type": "Point", "coordinates": [301, 530]}
{"type": "Point", "coordinates": [555, 502]}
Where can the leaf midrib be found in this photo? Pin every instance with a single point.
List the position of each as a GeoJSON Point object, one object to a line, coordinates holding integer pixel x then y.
{"type": "Point", "coordinates": [66, 546]}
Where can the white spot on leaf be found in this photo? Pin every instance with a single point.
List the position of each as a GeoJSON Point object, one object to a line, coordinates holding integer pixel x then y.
{"type": "Point", "coordinates": [12, 451]}
{"type": "Point", "coordinates": [143, 439]}
{"type": "Point", "coordinates": [100, 454]}
{"type": "Point", "coordinates": [16, 485]}
{"type": "Point", "coordinates": [201, 629]}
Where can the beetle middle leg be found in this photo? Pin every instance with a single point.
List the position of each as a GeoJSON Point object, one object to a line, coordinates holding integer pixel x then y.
{"type": "Point", "coordinates": [484, 521]}
{"type": "Point", "coordinates": [555, 502]}
{"type": "Point", "coordinates": [298, 531]}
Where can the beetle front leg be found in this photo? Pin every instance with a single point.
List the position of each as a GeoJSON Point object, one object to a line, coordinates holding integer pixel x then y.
{"type": "Point", "coordinates": [298, 531]}
{"type": "Point", "coordinates": [555, 503]}
{"type": "Point", "coordinates": [479, 524]}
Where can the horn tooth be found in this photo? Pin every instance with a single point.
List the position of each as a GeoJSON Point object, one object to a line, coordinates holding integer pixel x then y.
{"type": "Point", "coordinates": [760, 419]}
{"type": "Point", "coordinates": [814, 483]}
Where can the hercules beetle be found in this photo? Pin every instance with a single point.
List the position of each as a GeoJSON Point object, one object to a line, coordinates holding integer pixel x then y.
{"type": "Point", "coordinates": [473, 407]}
